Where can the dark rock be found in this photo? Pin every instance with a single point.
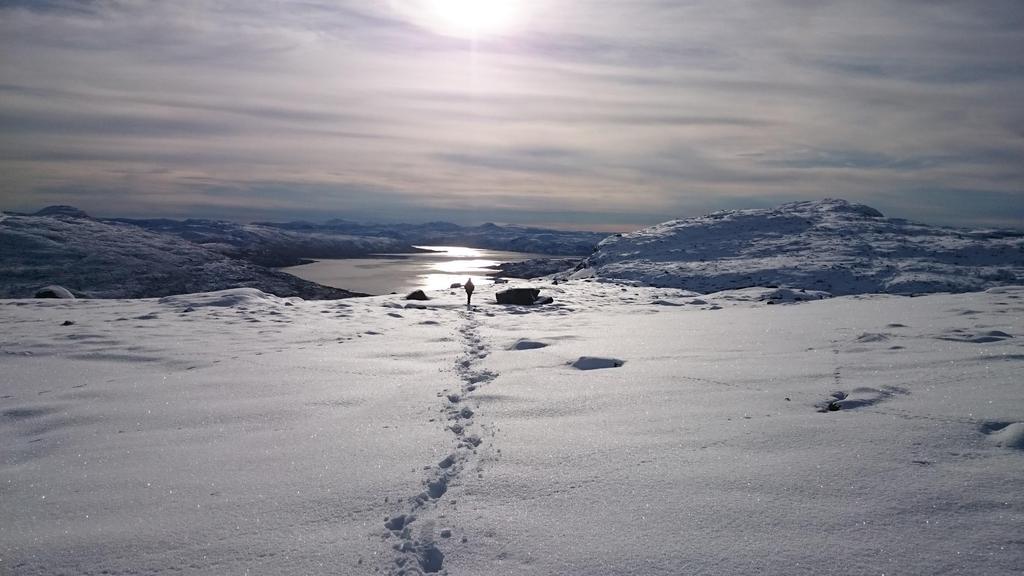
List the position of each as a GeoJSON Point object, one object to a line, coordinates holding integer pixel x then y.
{"type": "Point", "coordinates": [456, 285]}
{"type": "Point", "coordinates": [68, 323]}
{"type": "Point", "coordinates": [55, 291]}
{"type": "Point", "coordinates": [596, 363]}
{"type": "Point", "coordinates": [417, 295]}
{"type": "Point", "coordinates": [521, 296]}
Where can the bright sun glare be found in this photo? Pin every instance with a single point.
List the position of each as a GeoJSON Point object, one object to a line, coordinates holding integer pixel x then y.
{"type": "Point", "coordinates": [473, 18]}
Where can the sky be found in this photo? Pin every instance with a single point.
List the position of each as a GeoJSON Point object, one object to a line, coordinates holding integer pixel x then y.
{"type": "Point", "coordinates": [591, 114]}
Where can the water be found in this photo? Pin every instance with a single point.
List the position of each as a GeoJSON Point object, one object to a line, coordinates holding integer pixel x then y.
{"type": "Point", "coordinates": [402, 273]}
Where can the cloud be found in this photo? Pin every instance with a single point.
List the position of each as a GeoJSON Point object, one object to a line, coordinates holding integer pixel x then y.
{"type": "Point", "coordinates": [585, 111]}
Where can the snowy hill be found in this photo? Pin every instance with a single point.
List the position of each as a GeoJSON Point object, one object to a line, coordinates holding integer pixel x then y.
{"type": "Point", "coordinates": [117, 260]}
{"type": "Point", "coordinates": [620, 431]}
{"type": "Point", "coordinates": [271, 245]}
{"type": "Point", "coordinates": [829, 245]}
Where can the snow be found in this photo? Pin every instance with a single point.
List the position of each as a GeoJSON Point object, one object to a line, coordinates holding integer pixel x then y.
{"type": "Point", "coordinates": [828, 245]}
{"type": "Point", "coordinates": [237, 432]}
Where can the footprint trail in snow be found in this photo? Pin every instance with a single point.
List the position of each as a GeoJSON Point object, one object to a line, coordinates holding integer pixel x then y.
{"type": "Point", "coordinates": [413, 533]}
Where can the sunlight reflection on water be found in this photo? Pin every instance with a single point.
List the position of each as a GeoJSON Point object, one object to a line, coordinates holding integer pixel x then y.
{"type": "Point", "coordinates": [437, 269]}
{"type": "Point", "coordinates": [458, 263]}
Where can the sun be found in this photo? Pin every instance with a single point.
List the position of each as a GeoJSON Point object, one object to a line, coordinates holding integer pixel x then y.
{"type": "Point", "coordinates": [473, 18]}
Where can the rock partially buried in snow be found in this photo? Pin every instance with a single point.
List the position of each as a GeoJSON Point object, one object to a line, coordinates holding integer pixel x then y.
{"type": "Point", "coordinates": [417, 295]}
{"type": "Point", "coordinates": [1007, 436]}
{"type": "Point", "coordinates": [232, 298]}
{"type": "Point", "coordinates": [527, 345]}
{"type": "Point", "coordinates": [521, 296]}
{"type": "Point", "coordinates": [787, 295]}
{"type": "Point", "coordinates": [54, 291]}
{"type": "Point", "coordinates": [596, 363]}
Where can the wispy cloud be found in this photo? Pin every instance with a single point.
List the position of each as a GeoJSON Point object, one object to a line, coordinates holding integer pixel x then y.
{"type": "Point", "coordinates": [606, 113]}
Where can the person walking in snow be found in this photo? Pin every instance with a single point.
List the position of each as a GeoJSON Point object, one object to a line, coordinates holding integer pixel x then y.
{"type": "Point", "coordinates": [469, 291]}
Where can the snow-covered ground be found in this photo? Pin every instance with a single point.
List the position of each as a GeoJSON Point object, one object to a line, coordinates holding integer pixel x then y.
{"type": "Point", "coordinates": [619, 431]}
{"type": "Point", "coordinates": [831, 245]}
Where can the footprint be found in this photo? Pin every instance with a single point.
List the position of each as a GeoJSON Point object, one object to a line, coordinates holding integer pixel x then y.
{"type": "Point", "coordinates": [859, 398]}
{"type": "Point", "coordinates": [473, 378]}
{"type": "Point", "coordinates": [437, 488]}
{"type": "Point", "coordinates": [596, 363]}
{"type": "Point", "coordinates": [873, 337]}
{"type": "Point", "coordinates": [420, 556]}
{"type": "Point", "coordinates": [431, 559]}
{"type": "Point", "coordinates": [26, 413]}
{"type": "Point", "coordinates": [398, 523]}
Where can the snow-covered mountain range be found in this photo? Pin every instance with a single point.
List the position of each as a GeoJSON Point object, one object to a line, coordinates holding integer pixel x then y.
{"type": "Point", "coordinates": [106, 259]}
{"type": "Point", "coordinates": [489, 236]}
{"type": "Point", "coordinates": [271, 245]}
{"type": "Point", "coordinates": [827, 245]}
{"type": "Point", "coordinates": [126, 258]}
{"type": "Point", "coordinates": [286, 244]}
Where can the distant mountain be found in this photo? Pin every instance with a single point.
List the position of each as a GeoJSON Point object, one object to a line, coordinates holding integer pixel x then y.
{"type": "Point", "coordinates": [830, 245]}
{"type": "Point", "coordinates": [271, 245]}
{"type": "Point", "coordinates": [69, 211]}
{"type": "Point", "coordinates": [289, 243]}
{"type": "Point", "coordinates": [108, 259]}
{"type": "Point", "coordinates": [133, 258]}
{"type": "Point", "coordinates": [489, 236]}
